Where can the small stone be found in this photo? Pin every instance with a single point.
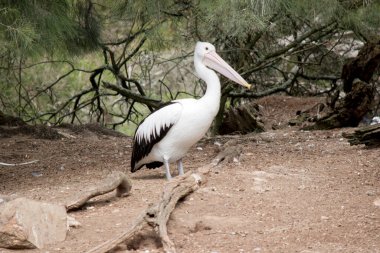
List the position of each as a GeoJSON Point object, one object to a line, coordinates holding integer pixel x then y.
{"type": "Point", "coordinates": [324, 218]}
{"type": "Point", "coordinates": [376, 202]}
{"type": "Point", "coordinates": [371, 193]}
{"type": "Point", "coordinates": [36, 174]}
{"type": "Point", "coordinates": [217, 143]}
{"type": "Point", "coordinates": [72, 222]}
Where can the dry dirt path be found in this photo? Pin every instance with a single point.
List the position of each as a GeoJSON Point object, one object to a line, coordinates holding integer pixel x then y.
{"type": "Point", "coordinates": [289, 191]}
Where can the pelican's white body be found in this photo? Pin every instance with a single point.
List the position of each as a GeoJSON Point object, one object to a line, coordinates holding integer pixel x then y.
{"type": "Point", "coordinates": [188, 119]}
{"type": "Point", "coordinates": [192, 123]}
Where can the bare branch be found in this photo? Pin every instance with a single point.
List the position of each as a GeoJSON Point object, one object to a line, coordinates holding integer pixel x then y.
{"type": "Point", "coordinates": [136, 97]}
{"type": "Point", "coordinates": [282, 87]}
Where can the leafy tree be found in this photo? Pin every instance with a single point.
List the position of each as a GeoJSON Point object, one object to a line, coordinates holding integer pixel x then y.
{"type": "Point", "coordinates": [46, 31]}
{"type": "Point", "coordinates": [291, 46]}
{"type": "Point", "coordinates": [95, 60]}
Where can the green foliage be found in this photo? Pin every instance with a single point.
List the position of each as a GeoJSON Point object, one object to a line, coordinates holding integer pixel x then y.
{"type": "Point", "coordinates": [32, 28]}
{"type": "Point", "coordinates": [114, 41]}
{"type": "Point", "coordinates": [242, 18]}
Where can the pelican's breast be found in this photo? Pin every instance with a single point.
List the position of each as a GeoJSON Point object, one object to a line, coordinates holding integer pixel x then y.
{"type": "Point", "coordinates": [193, 124]}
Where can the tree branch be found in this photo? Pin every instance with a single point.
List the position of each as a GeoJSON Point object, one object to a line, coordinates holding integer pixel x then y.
{"type": "Point", "coordinates": [282, 87]}
{"type": "Point", "coordinates": [136, 97]}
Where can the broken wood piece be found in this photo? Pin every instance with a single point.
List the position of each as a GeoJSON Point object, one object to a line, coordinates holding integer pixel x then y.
{"type": "Point", "coordinates": [17, 164]}
{"type": "Point", "coordinates": [117, 180]}
{"type": "Point", "coordinates": [157, 215]}
{"type": "Point", "coordinates": [369, 136]}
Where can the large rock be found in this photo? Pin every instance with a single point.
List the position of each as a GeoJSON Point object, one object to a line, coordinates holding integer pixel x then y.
{"type": "Point", "coordinates": [26, 224]}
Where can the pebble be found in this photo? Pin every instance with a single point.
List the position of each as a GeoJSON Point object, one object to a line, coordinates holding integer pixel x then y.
{"type": "Point", "coordinates": [376, 202]}
{"type": "Point", "coordinates": [36, 174]}
{"type": "Point", "coordinates": [370, 193]}
{"type": "Point", "coordinates": [217, 143]}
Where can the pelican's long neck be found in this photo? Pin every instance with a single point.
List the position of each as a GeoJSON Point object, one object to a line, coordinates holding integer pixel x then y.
{"type": "Point", "coordinates": [213, 92]}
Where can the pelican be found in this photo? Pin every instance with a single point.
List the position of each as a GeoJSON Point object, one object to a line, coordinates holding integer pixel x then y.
{"type": "Point", "coordinates": [167, 134]}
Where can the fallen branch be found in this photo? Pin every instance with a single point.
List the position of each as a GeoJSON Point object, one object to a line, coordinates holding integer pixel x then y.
{"type": "Point", "coordinates": [156, 216]}
{"type": "Point", "coordinates": [117, 180]}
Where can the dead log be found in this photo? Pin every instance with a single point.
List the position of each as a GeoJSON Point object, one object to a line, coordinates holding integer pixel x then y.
{"type": "Point", "coordinates": [349, 114]}
{"type": "Point", "coordinates": [116, 180]}
{"type": "Point", "coordinates": [369, 136]}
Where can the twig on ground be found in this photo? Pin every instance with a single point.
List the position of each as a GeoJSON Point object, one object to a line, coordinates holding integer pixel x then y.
{"type": "Point", "coordinates": [17, 164]}
{"type": "Point", "coordinates": [117, 180]}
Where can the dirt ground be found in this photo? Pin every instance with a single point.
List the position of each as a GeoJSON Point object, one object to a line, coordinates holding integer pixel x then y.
{"type": "Point", "coordinates": [288, 191]}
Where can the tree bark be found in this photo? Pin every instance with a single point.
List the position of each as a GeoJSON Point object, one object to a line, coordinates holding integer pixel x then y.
{"type": "Point", "coordinates": [369, 136]}
{"type": "Point", "coordinates": [356, 75]}
{"type": "Point", "coordinates": [363, 66]}
{"type": "Point", "coordinates": [349, 114]}
{"type": "Point", "coordinates": [242, 119]}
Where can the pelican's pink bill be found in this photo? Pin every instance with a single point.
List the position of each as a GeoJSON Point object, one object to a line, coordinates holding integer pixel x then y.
{"type": "Point", "coordinates": [214, 61]}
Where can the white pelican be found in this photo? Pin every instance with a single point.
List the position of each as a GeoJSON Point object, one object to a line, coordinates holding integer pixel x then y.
{"type": "Point", "coordinates": [166, 135]}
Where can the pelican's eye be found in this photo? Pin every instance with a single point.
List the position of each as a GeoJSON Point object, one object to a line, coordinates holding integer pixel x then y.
{"type": "Point", "coordinates": [206, 48]}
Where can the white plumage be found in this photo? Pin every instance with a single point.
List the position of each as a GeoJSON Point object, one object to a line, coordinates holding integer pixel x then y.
{"type": "Point", "coordinates": [167, 134]}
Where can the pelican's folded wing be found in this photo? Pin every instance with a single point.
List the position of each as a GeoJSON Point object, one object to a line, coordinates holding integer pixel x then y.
{"type": "Point", "coordinates": [152, 129]}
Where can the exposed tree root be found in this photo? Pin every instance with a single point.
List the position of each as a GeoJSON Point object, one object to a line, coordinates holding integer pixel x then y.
{"type": "Point", "coordinates": [117, 180]}
{"type": "Point", "coordinates": [156, 216]}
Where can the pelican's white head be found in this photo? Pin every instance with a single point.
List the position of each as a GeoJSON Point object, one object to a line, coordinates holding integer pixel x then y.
{"type": "Point", "coordinates": [206, 55]}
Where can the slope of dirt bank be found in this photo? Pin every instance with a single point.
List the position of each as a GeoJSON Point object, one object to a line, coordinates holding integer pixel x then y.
{"type": "Point", "coordinates": [289, 191]}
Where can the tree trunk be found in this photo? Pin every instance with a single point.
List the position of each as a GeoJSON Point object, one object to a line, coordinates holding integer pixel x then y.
{"type": "Point", "coordinates": [349, 114]}
{"type": "Point", "coordinates": [242, 119]}
{"type": "Point", "coordinates": [356, 75]}
{"type": "Point", "coordinates": [363, 66]}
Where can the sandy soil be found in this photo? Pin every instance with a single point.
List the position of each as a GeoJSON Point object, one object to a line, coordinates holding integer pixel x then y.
{"type": "Point", "coordinates": [289, 190]}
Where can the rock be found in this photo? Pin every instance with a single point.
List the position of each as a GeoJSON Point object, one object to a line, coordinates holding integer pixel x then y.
{"type": "Point", "coordinates": [27, 224]}
{"type": "Point", "coordinates": [376, 202]}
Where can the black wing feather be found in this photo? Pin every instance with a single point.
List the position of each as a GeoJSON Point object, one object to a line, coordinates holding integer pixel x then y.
{"type": "Point", "coordinates": [143, 148]}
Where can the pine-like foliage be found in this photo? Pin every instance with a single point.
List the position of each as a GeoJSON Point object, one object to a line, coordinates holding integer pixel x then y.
{"type": "Point", "coordinates": [242, 18]}
{"type": "Point", "coordinates": [37, 27]}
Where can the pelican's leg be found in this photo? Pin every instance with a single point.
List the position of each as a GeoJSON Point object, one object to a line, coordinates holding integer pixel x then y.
{"type": "Point", "coordinates": [180, 167]}
{"type": "Point", "coordinates": [167, 170]}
